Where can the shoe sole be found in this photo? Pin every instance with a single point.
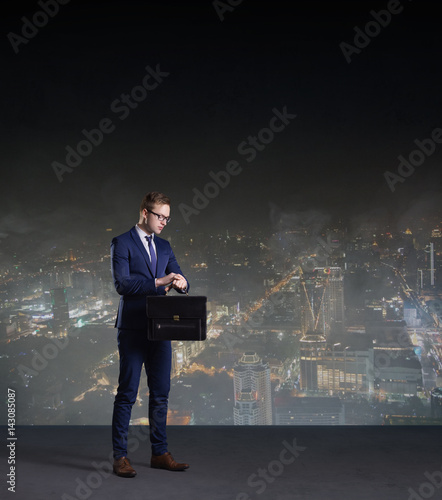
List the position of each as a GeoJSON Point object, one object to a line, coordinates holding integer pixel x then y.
{"type": "Point", "coordinates": [166, 468]}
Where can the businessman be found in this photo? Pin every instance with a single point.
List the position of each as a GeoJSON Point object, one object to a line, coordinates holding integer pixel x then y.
{"type": "Point", "coordinates": [143, 264]}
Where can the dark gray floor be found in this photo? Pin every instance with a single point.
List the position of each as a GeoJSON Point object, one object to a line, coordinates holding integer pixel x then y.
{"type": "Point", "coordinates": [232, 463]}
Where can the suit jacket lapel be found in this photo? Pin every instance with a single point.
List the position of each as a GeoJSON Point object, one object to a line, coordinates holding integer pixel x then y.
{"type": "Point", "coordinates": [162, 256]}
{"type": "Point", "coordinates": [141, 248]}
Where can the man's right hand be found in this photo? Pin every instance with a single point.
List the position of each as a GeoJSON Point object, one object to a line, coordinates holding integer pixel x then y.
{"type": "Point", "coordinates": [168, 280]}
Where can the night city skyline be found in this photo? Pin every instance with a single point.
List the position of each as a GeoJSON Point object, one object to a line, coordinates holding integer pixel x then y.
{"type": "Point", "coordinates": [300, 146]}
{"type": "Point", "coordinates": [367, 304]}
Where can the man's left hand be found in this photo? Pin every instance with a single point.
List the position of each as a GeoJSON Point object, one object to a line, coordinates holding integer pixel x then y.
{"type": "Point", "coordinates": [179, 283]}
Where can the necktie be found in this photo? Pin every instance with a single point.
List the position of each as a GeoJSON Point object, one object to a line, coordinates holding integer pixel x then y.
{"type": "Point", "coordinates": [153, 257]}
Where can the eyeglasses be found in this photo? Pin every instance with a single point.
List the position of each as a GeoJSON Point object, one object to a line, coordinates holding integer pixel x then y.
{"type": "Point", "coordinates": [160, 217]}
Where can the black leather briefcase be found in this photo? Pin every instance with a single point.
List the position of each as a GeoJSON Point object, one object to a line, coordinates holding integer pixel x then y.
{"type": "Point", "coordinates": [176, 317]}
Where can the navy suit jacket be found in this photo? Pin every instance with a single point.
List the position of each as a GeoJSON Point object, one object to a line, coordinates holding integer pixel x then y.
{"type": "Point", "coordinates": [134, 278]}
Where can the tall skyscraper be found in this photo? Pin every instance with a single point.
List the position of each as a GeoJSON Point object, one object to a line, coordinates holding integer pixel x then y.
{"type": "Point", "coordinates": [252, 391]}
{"type": "Point", "coordinates": [322, 300]}
{"type": "Point", "coordinates": [58, 326]}
{"type": "Point", "coordinates": [312, 348]}
{"type": "Point", "coordinates": [334, 298]}
{"type": "Point", "coordinates": [246, 410]}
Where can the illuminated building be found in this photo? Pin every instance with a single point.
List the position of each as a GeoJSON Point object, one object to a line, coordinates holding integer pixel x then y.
{"type": "Point", "coordinates": [246, 410]}
{"type": "Point", "coordinates": [252, 391]}
{"type": "Point", "coordinates": [312, 348]}
{"type": "Point", "coordinates": [71, 256]}
{"type": "Point", "coordinates": [322, 300]}
{"type": "Point", "coordinates": [345, 370]}
{"type": "Point", "coordinates": [179, 358]}
{"type": "Point", "coordinates": [411, 315]}
{"type": "Point", "coordinates": [58, 326]}
{"type": "Point", "coordinates": [333, 368]}
{"type": "Point", "coordinates": [183, 353]}
{"type": "Point", "coordinates": [309, 411]}
{"type": "Point", "coordinates": [397, 369]}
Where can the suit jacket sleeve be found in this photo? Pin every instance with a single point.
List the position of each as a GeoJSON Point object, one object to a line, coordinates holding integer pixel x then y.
{"type": "Point", "coordinates": [126, 281]}
{"type": "Point", "coordinates": [173, 267]}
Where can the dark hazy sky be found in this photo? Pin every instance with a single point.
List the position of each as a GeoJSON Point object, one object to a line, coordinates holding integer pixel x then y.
{"type": "Point", "coordinates": [352, 121]}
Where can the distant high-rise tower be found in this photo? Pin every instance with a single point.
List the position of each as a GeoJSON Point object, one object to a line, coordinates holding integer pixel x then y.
{"type": "Point", "coordinates": [252, 391]}
{"type": "Point", "coordinates": [58, 326]}
{"type": "Point", "coordinates": [246, 410]}
{"type": "Point", "coordinates": [334, 298]}
{"type": "Point", "coordinates": [310, 296]}
{"type": "Point", "coordinates": [322, 300]}
{"type": "Point", "coordinates": [312, 348]}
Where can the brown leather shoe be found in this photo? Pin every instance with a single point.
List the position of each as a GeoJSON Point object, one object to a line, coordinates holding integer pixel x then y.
{"type": "Point", "coordinates": [166, 461]}
{"type": "Point", "coordinates": [123, 468]}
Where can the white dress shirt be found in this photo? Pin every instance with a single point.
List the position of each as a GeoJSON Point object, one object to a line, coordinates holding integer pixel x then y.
{"type": "Point", "coordinates": [145, 243]}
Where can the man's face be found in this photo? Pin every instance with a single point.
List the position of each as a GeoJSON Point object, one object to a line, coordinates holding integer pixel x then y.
{"type": "Point", "coordinates": [152, 222]}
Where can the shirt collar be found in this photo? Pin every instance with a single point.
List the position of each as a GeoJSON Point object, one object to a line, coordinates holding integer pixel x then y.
{"type": "Point", "coordinates": [142, 234]}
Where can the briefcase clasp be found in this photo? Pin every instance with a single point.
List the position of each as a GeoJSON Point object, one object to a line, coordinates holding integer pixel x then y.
{"type": "Point", "coordinates": [176, 317]}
